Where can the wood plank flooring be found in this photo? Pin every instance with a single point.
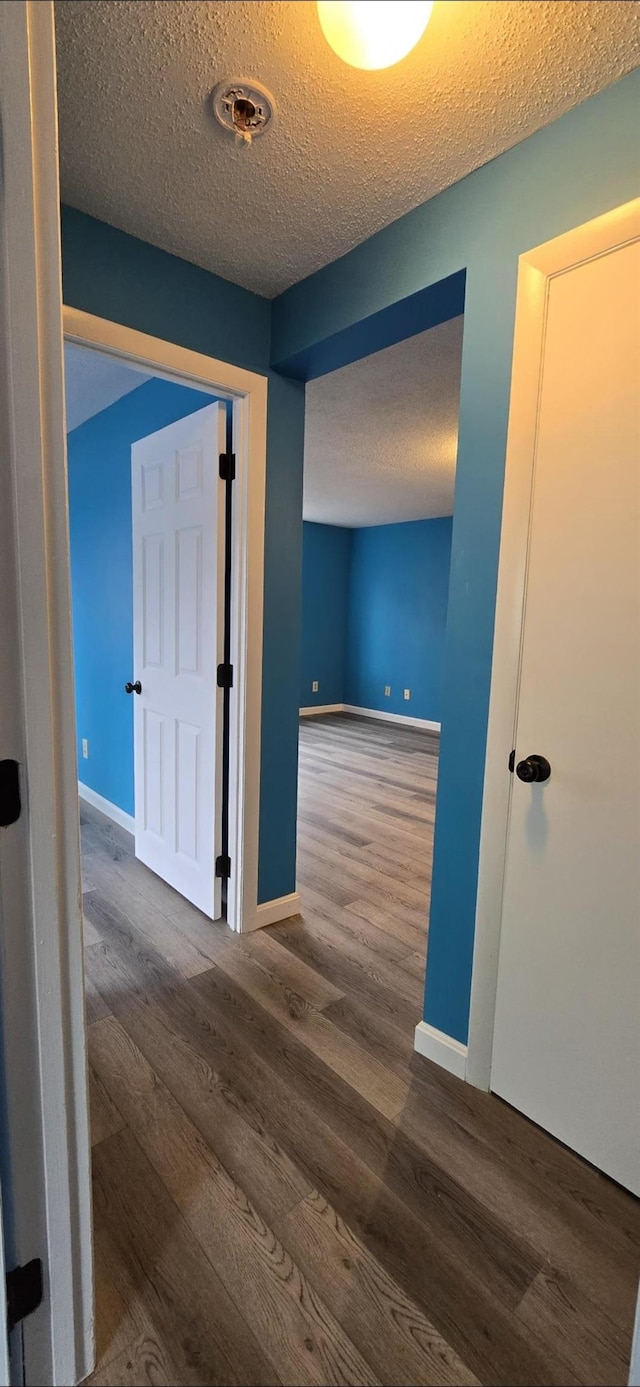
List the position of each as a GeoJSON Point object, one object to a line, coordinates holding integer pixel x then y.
{"type": "Point", "coordinates": [283, 1192]}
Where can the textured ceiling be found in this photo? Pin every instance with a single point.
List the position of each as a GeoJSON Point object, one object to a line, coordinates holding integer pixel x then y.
{"type": "Point", "coordinates": [93, 381]}
{"type": "Point", "coordinates": [350, 151]}
{"type": "Point", "coordinates": [381, 434]}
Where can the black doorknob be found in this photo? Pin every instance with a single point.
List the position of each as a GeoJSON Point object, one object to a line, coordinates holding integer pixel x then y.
{"type": "Point", "coordinates": [533, 769]}
{"type": "Point", "coordinates": [133, 688]}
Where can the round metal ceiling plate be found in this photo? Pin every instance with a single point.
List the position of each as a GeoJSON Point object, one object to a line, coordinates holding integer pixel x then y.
{"type": "Point", "coordinates": [244, 107]}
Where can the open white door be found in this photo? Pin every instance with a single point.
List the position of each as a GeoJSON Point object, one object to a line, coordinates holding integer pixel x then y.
{"type": "Point", "coordinates": [178, 626]}
{"type": "Point", "coordinates": [567, 1026]}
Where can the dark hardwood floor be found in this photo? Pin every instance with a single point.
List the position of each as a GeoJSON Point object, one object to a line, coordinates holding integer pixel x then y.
{"type": "Point", "coordinates": [284, 1192]}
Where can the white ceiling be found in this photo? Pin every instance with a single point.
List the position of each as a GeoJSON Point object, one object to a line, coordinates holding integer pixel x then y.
{"type": "Point", "coordinates": [381, 434]}
{"type": "Point", "coordinates": [350, 152]}
{"type": "Point", "coordinates": [94, 381]}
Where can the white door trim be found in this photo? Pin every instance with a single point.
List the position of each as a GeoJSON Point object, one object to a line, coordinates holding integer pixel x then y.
{"type": "Point", "coordinates": [48, 1195]}
{"type": "Point", "coordinates": [283, 908]}
{"type": "Point", "coordinates": [248, 391]}
{"type": "Point", "coordinates": [536, 268]}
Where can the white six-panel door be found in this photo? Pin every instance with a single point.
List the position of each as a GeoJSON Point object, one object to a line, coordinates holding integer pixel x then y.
{"type": "Point", "coordinates": [567, 1027]}
{"type": "Point", "coordinates": [178, 602]}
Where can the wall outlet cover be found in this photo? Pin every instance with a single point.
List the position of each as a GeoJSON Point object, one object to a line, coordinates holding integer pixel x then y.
{"type": "Point", "coordinates": [314, 686]}
{"type": "Point", "coordinates": [407, 694]}
{"type": "Point", "coordinates": [85, 748]}
{"type": "Point", "coordinates": [387, 690]}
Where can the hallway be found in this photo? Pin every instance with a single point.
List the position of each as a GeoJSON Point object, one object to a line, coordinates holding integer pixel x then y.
{"type": "Point", "coordinates": [283, 1192]}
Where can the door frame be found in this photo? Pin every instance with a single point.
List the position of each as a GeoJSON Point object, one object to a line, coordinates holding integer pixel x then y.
{"type": "Point", "coordinates": [536, 269]}
{"type": "Point", "coordinates": [248, 392]}
{"type": "Point", "coordinates": [45, 1152]}
{"type": "Point", "coordinates": [45, 1146]}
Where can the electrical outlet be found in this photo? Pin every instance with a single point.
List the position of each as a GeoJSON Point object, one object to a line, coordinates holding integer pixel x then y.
{"type": "Point", "coordinates": [314, 686]}
{"type": "Point", "coordinates": [407, 694]}
{"type": "Point", "coordinates": [85, 748]}
{"type": "Point", "coordinates": [387, 690]}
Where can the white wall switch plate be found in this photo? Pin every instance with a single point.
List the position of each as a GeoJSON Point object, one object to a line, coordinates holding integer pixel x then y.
{"type": "Point", "coordinates": [314, 686]}
{"type": "Point", "coordinates": [85, 748]}
{"type": "Point", "coordinates": [387, 690]}
{"type": "Point", "coordinates": [407, 694]}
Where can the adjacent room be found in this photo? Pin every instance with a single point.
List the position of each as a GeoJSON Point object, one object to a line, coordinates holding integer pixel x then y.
{"type": "Point", "coordinates": [147, 580]}
{"type": "Point", "coordinates": [110, 406]}
{"type": "Point", "coordinates": [379, 475]}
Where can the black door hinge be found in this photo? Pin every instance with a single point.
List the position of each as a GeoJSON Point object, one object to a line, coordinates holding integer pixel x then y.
{"type": "Point", "coordinates": [223, 867]}
{"type": "Point", "coordinates": [512, 761]}
{"type": "Point", "coordinates": [24, 1291]}
{"type": "Point", "coordinates": [225, 676]}
{"type": "Point", "coordinates": [227, 467]}
{"type": "Point", "coordinates": [9, 793]}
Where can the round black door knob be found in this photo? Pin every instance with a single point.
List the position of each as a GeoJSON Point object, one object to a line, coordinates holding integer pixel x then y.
{"type": "Point", "coordinates": [533, 769]}
{"type": "Point", "coordinates": [133, 688]}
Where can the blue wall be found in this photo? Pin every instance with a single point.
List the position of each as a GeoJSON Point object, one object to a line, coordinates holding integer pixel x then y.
{"type": "Point", "coordinates": [281, 642]}
{"type": "Point", "coordinates": [398, 589]}
{"type": "Point", "coordinates": [99, 465]}
{"type": "Point", "coordinates": [326, 551]}
{"type": "Point", "coordinates": [374, 611]}
{"type": "Point", "coordinates": [118, 277]}
{"type": "Point", "coordinates": [577, 168]}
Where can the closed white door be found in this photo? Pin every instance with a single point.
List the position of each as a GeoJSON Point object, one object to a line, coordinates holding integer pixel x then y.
{"type": "Point", "coordinates": [567, 1027]}
{"type": "Point", "coordinates": [178, 605]}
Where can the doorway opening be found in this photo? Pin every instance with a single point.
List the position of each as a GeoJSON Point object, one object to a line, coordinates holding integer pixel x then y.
{"type": "Point", "coordinates": [380, 453]}
{"type": "Point", "coordinates": [148, 540]}
{"type": "Point", "coordinates": [166, 524]}
{"type": "Point", "coordinates": [166, 472]}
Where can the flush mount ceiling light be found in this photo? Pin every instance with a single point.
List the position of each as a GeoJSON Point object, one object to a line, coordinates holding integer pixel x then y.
{"type": "Point", "coordinates": [373, 33]}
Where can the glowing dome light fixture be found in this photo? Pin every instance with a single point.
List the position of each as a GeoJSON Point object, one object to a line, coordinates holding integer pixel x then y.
{"type": "Point", "coordinates": [373, 33]}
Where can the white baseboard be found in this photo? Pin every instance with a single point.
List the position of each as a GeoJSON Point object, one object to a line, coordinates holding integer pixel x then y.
{"type": "Point", "coordinates": [270, 912]}
{"type": "Point", "coordinates": [401, 718]}
{"type": "Point", "coordinates": [322, 708]}
{"type": "Point", "coordinates": [442, 1049]}
{"type": "Point", "coordinates": [106, 807]}
{"type": "Point", "coordinates": [391, 717]}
